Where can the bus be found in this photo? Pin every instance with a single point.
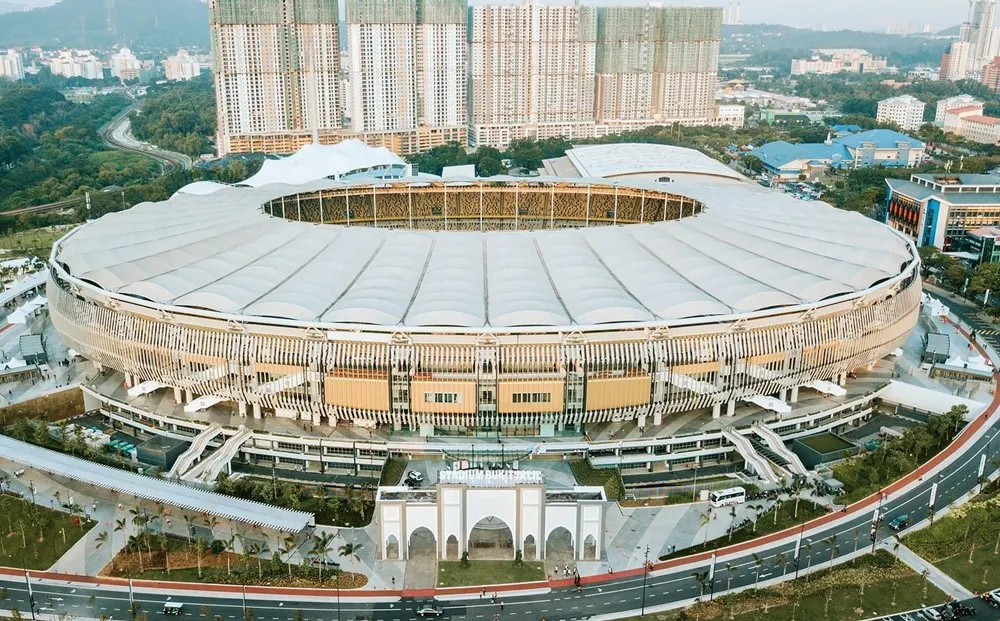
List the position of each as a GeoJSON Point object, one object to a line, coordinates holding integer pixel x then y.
{"type": "Point", "coordinates": [731, 496]}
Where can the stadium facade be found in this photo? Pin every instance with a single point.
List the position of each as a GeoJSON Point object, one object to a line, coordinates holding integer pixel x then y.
{"type": "Point", "coordinates": [642, 282]}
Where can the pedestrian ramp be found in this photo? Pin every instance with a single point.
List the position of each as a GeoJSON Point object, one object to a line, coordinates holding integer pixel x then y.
{"type": "Point", "coordinates": [775, 443]}
{"type": "Point", "coordinates": [208, 469]}
{"type": "Point", "coordinates": [755, 461]}
{"type": "Point", "coordinates": [191, 455]}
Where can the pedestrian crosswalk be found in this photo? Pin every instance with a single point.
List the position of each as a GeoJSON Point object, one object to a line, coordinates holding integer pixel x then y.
{"type": "Point", "coordinates": [987, 332]}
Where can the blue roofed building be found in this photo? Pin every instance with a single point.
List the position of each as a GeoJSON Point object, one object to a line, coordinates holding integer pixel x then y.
{"type": "Point", "coordinates": [878, 147]}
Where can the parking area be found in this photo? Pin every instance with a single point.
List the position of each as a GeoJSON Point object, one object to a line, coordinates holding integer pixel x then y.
{"type": "Point", "coordinates": [977, 607]}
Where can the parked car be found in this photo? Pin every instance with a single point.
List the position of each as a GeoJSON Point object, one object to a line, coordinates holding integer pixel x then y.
{"type": "Point", "coordinates": [429, 610]}
{"type": "Point", "coordinates": [900, 522]}
{"type": "Point", "coordinates": [931, 614]}
{"type": "Point", "coordinates": [414, 477]}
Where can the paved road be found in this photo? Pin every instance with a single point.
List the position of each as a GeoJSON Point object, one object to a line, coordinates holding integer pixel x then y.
{"type": "Point", "coordinates": [663, 587]}
{"type": "Point", "coordinates": [115, 134]}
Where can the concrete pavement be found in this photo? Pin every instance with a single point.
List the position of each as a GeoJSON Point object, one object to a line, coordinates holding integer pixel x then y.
{"type": "Point", "coordinates": [936, 577]}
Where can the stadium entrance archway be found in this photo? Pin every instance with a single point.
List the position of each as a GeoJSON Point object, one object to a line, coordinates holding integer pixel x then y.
{"type": "Point", "coordinates": [422, 544]}
{"type": "Point", "coordinates": [492, 539]}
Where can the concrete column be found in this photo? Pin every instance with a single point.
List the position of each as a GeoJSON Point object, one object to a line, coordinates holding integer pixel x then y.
{"type": "Point", "coordinates": [316, 418]}
{"type": "Point", "coordinates": [642, 421]}
{"type": "Point", "coordinates": [188, 396]}
{"type": "Point", "coordinates": [717, 410]}
{"type": "Point", "coordinates": [256, 410]}
{"type": "Point", "coordinates": [177, 395]}
{"type": "Point", "coordinates": [843, 378]}
{"type": "Point", "coordinates": [731, 409]}
{"type": "Point", "coordinates": [794, 398]}
{"type": "Point", "coordinates": [657, 418]}
{"type": "Point", "coordinates": [783, 395]}
{"type": "Point", "coordinates": [243, 408]}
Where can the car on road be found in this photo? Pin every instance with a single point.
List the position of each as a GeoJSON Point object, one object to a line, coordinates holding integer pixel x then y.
{"type": "Point", "coordinates": [173, 609]}
{"type": "Point", "coordinates": [900, 522]}
{"type": "Point", "coordinates": [429, 610]}
{"type": "Point", "coordinates": [931, 614]}
{"type": "Point", "coordinates": [991, 598]}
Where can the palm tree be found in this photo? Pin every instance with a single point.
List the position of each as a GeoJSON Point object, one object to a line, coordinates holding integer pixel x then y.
{"type": "Point", "coordinates": [706, 519]}
{"type": "Point", "coordinates": [231, 548]}
{"type": "Point", "coordinates": [321, 544]}
{"type": "Point", "coordinates": [256, 549]}
{"type": "Point", "coordinates": [832, 542]}
{"type": "Point", "coordinates": [857, 535]}
{"type": "Point", "coordinates": [189, 524]}
{"type": "Point", "coordinates": [756, 512]}
{"type": "Point", "coordinates": [758, 560]}
{"type": "Point", "coordinates": [809, 551]}
{"type": "Point", "coordinates": [288, 547]}
{"type": "Point", "coordinates": [119, 528]}
{"type": "Point", "coordinates": [732, 521]}
{"type": "Point", "coordinates": [101, 540]}
{"type": "Point", "coordinates": [210, 522]}
{"type": "Point", "coordinates": [350, 550]}
{"type": "Point", "coordinates": [781, 560]}
{"type": "Point", "coordinates": [730, 570]}
{"type": "Point", "coordinates": [701, 577]}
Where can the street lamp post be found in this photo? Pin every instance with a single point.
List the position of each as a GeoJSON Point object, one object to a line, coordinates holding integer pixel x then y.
{"type": "Point", "coordinates": [798, 550]}
{"type": "Point", "coordinates": [244, 601]}
{"type": "Point", "coordinates": [31, 596]}
{"type": "Point", "coordinates": [711, 579]}
{"type": "Point", "coordinates": [645, 571]}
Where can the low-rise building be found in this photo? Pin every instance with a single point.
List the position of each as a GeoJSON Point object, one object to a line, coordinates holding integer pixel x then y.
{"type": "Point", "coordinates": [878, 147]}
{"type": "Point", "coordinates": [954, 118]}
{"type": "Point", "coordinates": [950, 103]}
{"type": "Point", "coordinates": [730, 115]}
{"type": "Point", "coordinates": [984, 242]}
{"type": "Point", "coordinates": [940, 209]}
{"type": "Point", "coordinates": [847, 60]}
{"type": "Point", "coordinates": [906, 111]}
{"type": "Point", "coordinates": [981, 129]}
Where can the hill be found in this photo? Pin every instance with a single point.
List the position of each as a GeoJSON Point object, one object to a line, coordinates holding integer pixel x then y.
{"type": "Point", "coordinates": [144, 24]}
{"type": "Point", "coordinates": [776, 44]}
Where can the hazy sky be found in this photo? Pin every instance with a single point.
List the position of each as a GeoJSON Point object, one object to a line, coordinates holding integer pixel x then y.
{"type": "Point", "coordinates": [855, 14]}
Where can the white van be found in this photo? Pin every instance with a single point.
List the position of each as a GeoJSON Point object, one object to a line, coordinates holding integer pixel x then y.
{"type": "Point", "coordinates": [173, 609]}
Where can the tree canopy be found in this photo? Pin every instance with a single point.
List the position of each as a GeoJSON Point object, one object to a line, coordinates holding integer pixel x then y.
{"type": "Point", "coordinates": [178, 117]}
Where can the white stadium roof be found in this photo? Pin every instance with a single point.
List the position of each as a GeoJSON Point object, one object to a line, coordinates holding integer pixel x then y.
{"type": "Point", "coordinates": [749, 250]}
{"type": "Point", "coordinates": [621, 159]}
{"type": "Point", "coordinates": [318, 161]}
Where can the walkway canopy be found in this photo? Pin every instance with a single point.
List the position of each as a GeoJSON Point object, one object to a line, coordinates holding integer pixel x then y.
{"type": "Point", "coordinates": [148, 488]}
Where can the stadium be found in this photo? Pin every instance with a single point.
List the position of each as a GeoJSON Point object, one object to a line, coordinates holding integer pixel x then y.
{"type": "Point", "coordinates": [627, 282]}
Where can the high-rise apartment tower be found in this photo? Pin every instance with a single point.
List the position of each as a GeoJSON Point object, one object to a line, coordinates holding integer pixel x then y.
{"type": "Point", "coordinates": [579, 72]}
{"type": "Point", "coordinates": [276, 68]}
{"type": "Point", "coordinates": [407, 72]}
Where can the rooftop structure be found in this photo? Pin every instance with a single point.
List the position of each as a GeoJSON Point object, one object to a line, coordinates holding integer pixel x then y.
{"type": "Point", "coordinates": [542, 302]}
{"type": "Point", "coordinates": [938, 209]}
{"type": "Point", "coordinates": [950, 103]}
{"type": "Point", "coordinates": [877, 147]}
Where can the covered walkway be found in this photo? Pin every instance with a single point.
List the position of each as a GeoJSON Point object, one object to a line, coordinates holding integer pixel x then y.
{"type": "Point", "coordinates": [157, 490]}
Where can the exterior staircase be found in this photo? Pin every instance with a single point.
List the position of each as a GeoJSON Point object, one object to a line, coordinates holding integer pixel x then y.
{"type": "Point", "coordinates": [755, 461]}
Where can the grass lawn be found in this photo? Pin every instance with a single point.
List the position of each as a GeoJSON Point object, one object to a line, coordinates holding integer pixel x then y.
{"type": "Point", "coordinates": [36, 241]}
{"type": "Point", "coordinates": [826, 443]}
{"type": "Point", "coordinates": [984, 564]}
{"type": "Point", "coordinates": [969, 528]}
{"type": "Point", "coordinates": [32, 535]}
{"type": "Point", "coordinates": [765, 525]}
{"type": "Point", "coordinates": [608, 478]}
{"type": "Point", "coordinates": [888, 587]}
{"type": "Point", "coordinates": [451, 573]}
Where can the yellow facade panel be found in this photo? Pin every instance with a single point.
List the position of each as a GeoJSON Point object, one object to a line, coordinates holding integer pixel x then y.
{"type": "Point", "coordinates": [530, 396]}
{"type": "Point", "coordinates": [443, 397]}
{"type": "Point", "coordinates": [778, 356]}
{"type": "Point", "coordinates": [363, 394]}
{"type": "Point", "coordinates": [210, 361]}
{"type": "Point", "coordinates": [277, 370]}
{"type": "Point", "coordinates": [618, 392]}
